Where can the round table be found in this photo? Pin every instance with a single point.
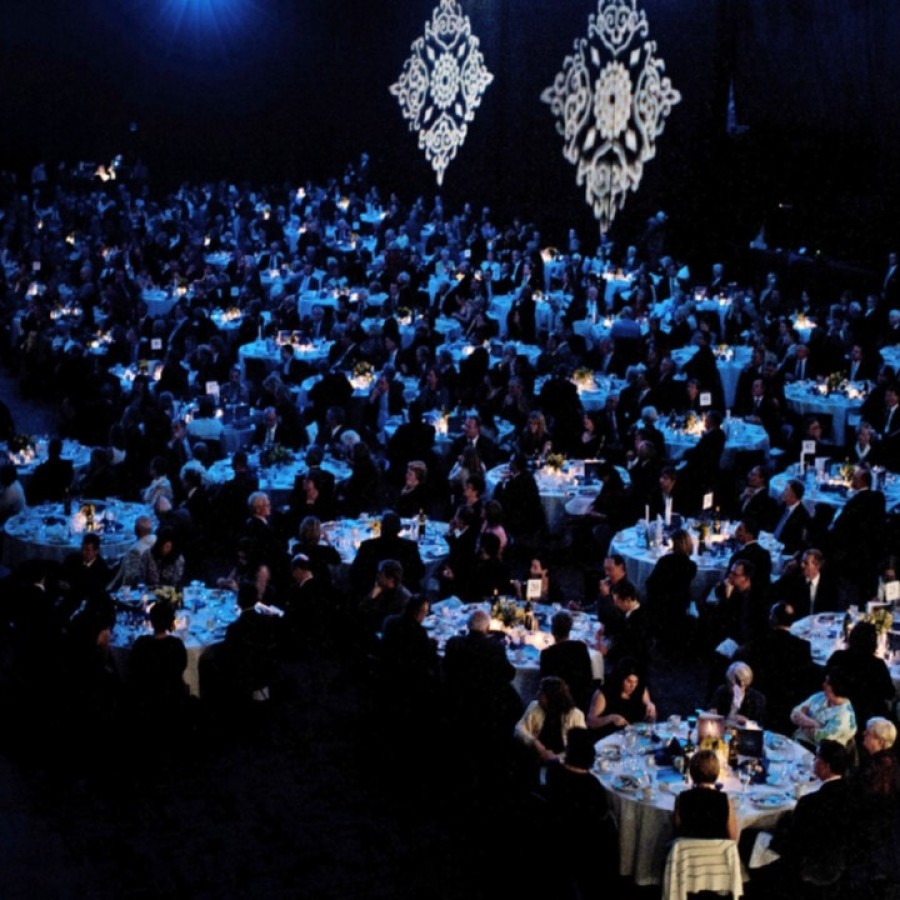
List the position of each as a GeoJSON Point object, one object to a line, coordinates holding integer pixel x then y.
{"type": "Point", "coordinates": [825, 634]}
{"type": "Point", "coordinates": [159, 302]}
{"type": "Point", "coordinates": [26, 462]}
{"type": "Point", "coordinates": [269, 352]}
{"type": "Point", "coordinates": [523, 648]}
{"type": "Point", "coordinates": [812, 398]}
{"type": "Point", "coordinates": [45, 532]}
{"type": "Point", "coordinates": [644, 817]}
{"type": "Point", "coordinates": [592, 390]}
{"type": "Point", "coordinates": [277, 481]}
{"type": "Point", "coordinates": [831, 488]}
{"type": "Point", "coordinates": [740, 436]}
{"type": "Point", "coordinates": [730, 361]}
{"type": "Point", "coordinates": [711, 566]}
{"type": "Point", "coordinates": [206, 614]}
{"type": "Point", "coordinates": [345, 535]}
{"type": "Point", "coordinates": [560, 489]}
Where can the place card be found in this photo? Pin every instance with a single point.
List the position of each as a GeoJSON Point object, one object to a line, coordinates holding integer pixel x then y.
{"type": "Point", "coordinates": [892, 591]}
{"type": "Point", "coordinates": [808, 448]}
{"type": "Point", "coordinates": [708, 500]}
{"type": "Point", "coordinates": [212, 388]}
{"type": "Point", "coordinates": [533, 589]}
{"type": "Point", "coordinates": [706, 399]}
{"type": "Point", "coordinates": [156, 343]}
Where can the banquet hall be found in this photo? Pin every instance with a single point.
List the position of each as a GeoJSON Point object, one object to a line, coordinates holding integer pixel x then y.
{"type": "Point", "coordinates": [357, 364]}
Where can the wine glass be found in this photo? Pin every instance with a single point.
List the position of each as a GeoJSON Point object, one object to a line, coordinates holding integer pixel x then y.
{"type": "Point", "coordinates": [745, 777]}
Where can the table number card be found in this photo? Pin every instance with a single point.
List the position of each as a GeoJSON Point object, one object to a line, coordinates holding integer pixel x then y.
{"type": "Point", "coordinates": [533, 589]}
{"type": "Point", "coordinates": [708, 501]}
{"type": "Point", "coordinates": [706, 399]}
{"type": "Point", "coordinates": [809, 448]}
{"type": "Point", "coordinates": [156, 343]}
{"type": "Point", "coordinates": [212, 387]}
{"type": "Point", "coordinates": [892, 592]}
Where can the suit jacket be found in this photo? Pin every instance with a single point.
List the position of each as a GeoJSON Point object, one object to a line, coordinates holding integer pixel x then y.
{"type": "Point", "coordinates": [571, 661]}
{"type": "Point", "coordinates": [794, 589]}
{"type": "Point", "coordinates": [374, 550]}
{"type": "Point", "coordinates": [793, 532]}
{"type": "Point", "coordinates": [857, 530]}
{"type": "Point", "coordinates": [762, 508]}
{"type": "Point", "coordinates": [476, 667]}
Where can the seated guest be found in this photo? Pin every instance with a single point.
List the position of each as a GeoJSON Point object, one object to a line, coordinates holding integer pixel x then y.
{"type": "Point", "coordinates": [791, 528]}
{"type": "Point", "coordinates": [159, 486]}
{"type": "Point", "coordinates": [590, 443]}
{"type": "Point", "coordinates": [736, 700]}
{"type": "Point", "coordinates": [415, 496]}
{"type": "Point", "coordinates": [550, 591]}
{"type": "Point", "coordinates": [456, 575]}
{"type": "Point", "coordinates": [85, 573]}
{"type": "Point", "coordinates": [827, 714]}
{"type": "Point", "coordinates": [811, 588]}
{"type": "Point", "coordinates": [387, 596]}
{"type": "Point", "coordinates": [545, 724]}
{"type": "Point", "coordinates": [491, 574]}
{"type": "Point", "coordinates": [756, 503]}
{"type": "Point", "coordinates": [811, 848]}
{"type": "Point", "coordinates": [622, 701]}
{"type": "Point", "coordinates": [869, 684]}
{"type": "Point", "coordinates": [158, 662]}
{"type": "Point", "coordinates": [12, 494]}
{"type": "Point", "coordinates": [314, 543]}
{"type": "Point", "coordinates": [53, 477]}
{"type": "Point", "coordinates": [493, 524]}
{"type": "Point", "coordinates": [388, 545]}
{"type": "Point", "coordinates": [535, 440]}
{"type": "Point", "coordinates": [362, 491]}
{"type": "Point", "coordinates": [408, 659]}
{"type": "Point", "coordinates": [568, 659]}
{"type": "Point", "coordinates": [863, 450]}
{"type": "Point", "coordinates": [668, 591]}
{"type": "Point", "coordinates": [163, 564]}
{"type": "Point", "coordinates": [131, 567]}
{"type": "Point", "coordinates": [520, 498]}
{"type": "Point", "coordinates": [703, 811]}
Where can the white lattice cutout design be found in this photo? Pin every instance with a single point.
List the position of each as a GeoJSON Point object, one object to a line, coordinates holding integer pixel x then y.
{"type": "Point", "coordinates": [611, 101]}
{"type": "Point", "coordinates": [441, 84]}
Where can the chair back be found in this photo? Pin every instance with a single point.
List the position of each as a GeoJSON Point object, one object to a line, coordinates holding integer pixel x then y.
{"type": "Point", "coordinates": [701, 864]}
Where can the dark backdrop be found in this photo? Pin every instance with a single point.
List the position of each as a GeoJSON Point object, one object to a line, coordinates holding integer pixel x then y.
{"type": "Point", "coordinates": [281, 89]}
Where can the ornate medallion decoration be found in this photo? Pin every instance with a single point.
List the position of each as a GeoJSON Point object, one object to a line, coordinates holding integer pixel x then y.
{"type": "Point", "coordinates": [442, 83]}
{"type": "Point", "coordinates": [611, 101]}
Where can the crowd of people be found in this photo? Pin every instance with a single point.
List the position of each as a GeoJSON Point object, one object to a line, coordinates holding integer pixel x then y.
{"type": "Point", "coordinates": [76, 267]}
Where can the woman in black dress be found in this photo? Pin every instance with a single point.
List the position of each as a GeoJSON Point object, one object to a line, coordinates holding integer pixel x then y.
{"type": "Point", "coordinates": [703, 811]}
{"type": "Point", "coordinates": [621, 703]}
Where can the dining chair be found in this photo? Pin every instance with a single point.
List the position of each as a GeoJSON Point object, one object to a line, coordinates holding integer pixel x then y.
{"type": "Point", "coordinates": [702, 864]}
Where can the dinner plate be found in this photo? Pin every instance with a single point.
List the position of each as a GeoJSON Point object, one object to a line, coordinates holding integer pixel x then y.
{"type": "Point", "coordinates": [627, 784]}
{"type": "Point", "coordinates": [613, 752]}
{"type": "Point", "coordinates": [768, 801]}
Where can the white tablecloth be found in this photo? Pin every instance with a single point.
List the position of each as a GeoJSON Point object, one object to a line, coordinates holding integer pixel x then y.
{"type": "Point", "coordinates": [44, 532]}
{"type": "Point", "coordinates": [523, 649]}
{"type": "Point", "coordinates": [831, 490]}
{"type": "Point", "coordinates": [711, 567]}
{"type": "Point", "coordinates": [740, 436]}
{"type": "Point", "coordinates": [804, 398]}
{"type": "Point", "coordinates": [202, 622]}
{"type": "Point", "coordinates": [729, 365]}
{"type": "Point", "coordinates": [269, 352]}
{"type": "Point", "coordinates": [645, 825]}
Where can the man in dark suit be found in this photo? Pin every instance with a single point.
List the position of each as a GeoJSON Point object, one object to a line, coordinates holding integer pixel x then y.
{"type": "Point", "coordinates": [810, 587]}
{"type": "Point", "coordinates": [747, 535]}
{"type": "Point", "coordinates": [704, 458]}
{"type": "Point", "coordinates": [628, 630]}
{"type": "Point", "coordinates": [84, 574]}
{"type": "Point", "coordinates": [473, 438]}
{"type": "Point", "coordinates": [388, 545]}
{"type": "Point", "coordinates": [782, 667]}
{"type": "Point", "coordinates": [888, 426]}
{"type": "Point", "coordinates": [813, 842]}
{"type": "Point", "coordinates": [53, 477]}
{"type": "Point", "coordinates": [569, 660]}
{"type": "Point", "coordinates": [265, 546]}
{"type": "Point", "coordinates": [791, 528]}
{"type": "Point", "coordinates": [857, 535]}
{"type": "Point", "coordinates": [274, 430]}
{"type": "Point", "coordinates": [755, 501]}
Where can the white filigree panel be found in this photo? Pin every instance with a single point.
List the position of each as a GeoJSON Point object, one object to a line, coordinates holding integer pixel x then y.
{"type": "Point", "coordinates": [442, 83]}
{"type": "Point", "coordinates": [611, 101]}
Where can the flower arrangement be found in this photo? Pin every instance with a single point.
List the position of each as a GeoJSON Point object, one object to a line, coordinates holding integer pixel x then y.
{"type": "Point", "coordinates": [583, 377]}
{"type": "Point", "coordinates": [276, 455]}
{"type": "Point", "coordinates": [167, 593]}
{"type": "Point", "coordinates": [555, 461]}
{"type": "Point", "coordinates": [845, 470]}
{"type": "Point", "coordinates": [508, 612]}
{"type": "Point", "coordinates": [363, 369]}
{"type": "Point", "coordinates": [836, 381]}
{"type": "Point", "coordinates": [19, 443]}
{"type": "Point", "coordinates": [404, 312]}
{"type": "Point", "coordinates": [882, 619]}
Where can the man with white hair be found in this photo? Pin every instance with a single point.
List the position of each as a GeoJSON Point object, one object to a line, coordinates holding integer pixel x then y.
{"type": "Point", "coordinates": [129, 569]}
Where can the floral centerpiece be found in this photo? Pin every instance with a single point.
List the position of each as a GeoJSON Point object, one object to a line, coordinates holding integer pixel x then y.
{"type": "Point", "coordinates": [882, 619]}
{"type": "Point", "coordinates": [20, 443]}
{"type": "Point", "coordinates": [508, 612]}
{"type": "Point", "coordinates": [404, 315]}
{"type": "Point", "coordinates": [845, 471]}
{"type": "Point", "coordinates": [836, 381]}
{"type": "Point", "coordinates": [167, 593]}
{"type": "Point", "coordinates": [555, 461]}
{"type": "Point", "coordinates": [363, 369]}
{"type": "Point", "coordinates": [276, 455]}
{"type": "Point", "coordinates": [583, 378]}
